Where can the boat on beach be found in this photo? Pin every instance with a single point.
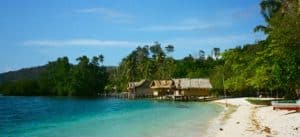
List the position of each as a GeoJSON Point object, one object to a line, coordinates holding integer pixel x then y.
{"type": "Point", "coordinates": [287, 105]}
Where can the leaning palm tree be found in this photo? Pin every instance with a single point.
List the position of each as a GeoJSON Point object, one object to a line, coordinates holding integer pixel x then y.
{"type": "Point", "coordinates": [268, 9]}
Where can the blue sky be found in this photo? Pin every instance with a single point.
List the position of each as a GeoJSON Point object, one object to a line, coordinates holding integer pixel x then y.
{"type": "Point", "coordinates": [33, 32]}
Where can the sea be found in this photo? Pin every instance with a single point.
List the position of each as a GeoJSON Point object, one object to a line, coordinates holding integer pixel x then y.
{"type": "Point", "coordinates": [103, 117]}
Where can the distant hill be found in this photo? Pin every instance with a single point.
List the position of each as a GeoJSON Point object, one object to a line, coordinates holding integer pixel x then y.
{"type": "Point", "coordinates": [25, 73]}
{"type": "Point", "coordinates": [30, 73]}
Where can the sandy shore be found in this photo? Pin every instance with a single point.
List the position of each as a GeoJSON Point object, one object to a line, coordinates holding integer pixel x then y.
{"type": "Point", "coordinates": [242, 119]}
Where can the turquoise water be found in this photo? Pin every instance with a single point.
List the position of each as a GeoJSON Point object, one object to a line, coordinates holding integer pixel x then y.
{"type": "Point", "coordinates": [94, 117]}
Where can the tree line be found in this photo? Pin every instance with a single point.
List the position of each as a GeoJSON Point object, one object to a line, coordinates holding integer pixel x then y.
{"type": "Point", "coordinates": [156, 62]}
{"type": "Point", "coordinates": [60, 78]}
{"type": "Point", "coordinates": [270, 66]}
{"type": "Point", "coordinates": [90, 77]}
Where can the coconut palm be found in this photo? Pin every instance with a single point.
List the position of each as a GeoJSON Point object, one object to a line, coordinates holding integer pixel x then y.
{"type": "Point", "coordinates": [169, 49]}
{"type": "Point", "coordinates": [268, 9]}
{"type": "Point", "coordinates": [216, 53]}
{"type": "Point", "coordinates": [101, 59]}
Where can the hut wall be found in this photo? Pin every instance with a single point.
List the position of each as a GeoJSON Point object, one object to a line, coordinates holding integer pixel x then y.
{"type": "Point", "coordinates": [160, 92]}
{"type": "Point", "coordinates": [195, 92]}
{"type": "Point", "coordinates": [143, 90]}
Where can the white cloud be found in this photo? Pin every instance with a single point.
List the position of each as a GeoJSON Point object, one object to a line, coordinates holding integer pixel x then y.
{"type": "Point", "coordinates": [188, 24]}
{"type": "Point", "coordinates": [109, 14]}
{"type": "Point", "coordinates": [81, 42]}
{"type": "Point", "coordinates": [224, 41]}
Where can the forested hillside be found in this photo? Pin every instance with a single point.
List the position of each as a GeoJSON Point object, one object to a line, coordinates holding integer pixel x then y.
{"type": "Point", "coordinates": [26, 73]}
{"type": "Point", "coordinates": [32, 73]}
{"type": "Point", "coordinates": [60, 78]}
{"type": "Point", "coordinates": [270, 66]}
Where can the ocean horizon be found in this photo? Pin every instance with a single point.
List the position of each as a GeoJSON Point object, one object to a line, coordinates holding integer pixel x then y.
{"type": "Point", "coordinates": [103, 117]}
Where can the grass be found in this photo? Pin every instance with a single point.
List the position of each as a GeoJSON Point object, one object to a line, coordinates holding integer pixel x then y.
{"type": "Point", "coordinates": [259, 101]}
{"type": "Point", "coordinates": [267, 102]}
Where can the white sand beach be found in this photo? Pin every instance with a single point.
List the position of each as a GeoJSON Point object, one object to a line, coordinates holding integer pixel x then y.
{"type": "Point", "coordinates": [242, 119]}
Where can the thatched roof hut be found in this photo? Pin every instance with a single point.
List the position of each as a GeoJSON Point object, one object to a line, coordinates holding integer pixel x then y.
{"type": "Point", "coordinates": [186, 83]}
{"type": "Point", "coordinates": [192, 87]}
{"type": "Point", "coordinates": [162, 87]}
{"type": "Point", "coordinates": [132, 85]}
{"type": "Point", "coordinates": [162, 84]}
{"type": "Point", "coordinates": [139, 89]}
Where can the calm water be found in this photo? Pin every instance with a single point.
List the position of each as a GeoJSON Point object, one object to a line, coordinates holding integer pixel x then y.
{"type": "Point", "coordinates": [66, 117]}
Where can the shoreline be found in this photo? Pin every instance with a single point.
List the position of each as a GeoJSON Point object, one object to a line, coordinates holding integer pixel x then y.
{"type": "Point", "coordinates": [240, 118]}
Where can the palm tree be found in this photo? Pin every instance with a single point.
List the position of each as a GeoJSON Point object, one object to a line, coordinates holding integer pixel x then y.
{"type": "Point", "coordinates": [169, 49]}
{"type": "Point", "coordinates": [268, 9]}
{"type": "Point", "coordinates": [201, 54]}
{"type": "Point", "coordinates": [95, 61]}
{"type": "Point", "coordinates": [216, 53]}
{"type": "Point", "coordinates": [101, 59]}
{"type": "Point", "coordinates": [157, 52]}
{"type": "Point", "coordinates": [84, 60]}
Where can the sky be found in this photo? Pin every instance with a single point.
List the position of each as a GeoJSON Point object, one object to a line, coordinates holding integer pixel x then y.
{"type": "Point", "coordinates": [33, 32]}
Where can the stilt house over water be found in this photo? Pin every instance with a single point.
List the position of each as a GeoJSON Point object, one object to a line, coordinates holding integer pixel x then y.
{"type": "Point", "coordinates": [139, 89]}
{"type": "Point", "coordinates": [162, 87]}
{"type": "Point", "coordinates": [182, 88]}
{"type": "Point", "coordinates": [192, 87]}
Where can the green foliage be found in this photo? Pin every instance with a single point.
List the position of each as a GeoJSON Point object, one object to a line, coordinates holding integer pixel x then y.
{"type": "Point", "coordinates": [20, 87]}
{"type": "Point", "coordinates": [216, 53]}
{"type": "Point", "coordinates": [268, 9]}
{"type": "Point", "coordinates": [60, 78]}
{"type": "Point", "coordinates": [269, 65]}
{"type": "Point", "coordinates": [89, 78]}
{"type": "Point", "coordinates": [31, 73]}
{"type": "Point", "coordinates": [56, 77]}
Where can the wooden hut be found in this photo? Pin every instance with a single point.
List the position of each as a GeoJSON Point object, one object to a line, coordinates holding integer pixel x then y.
{"type": "Point", "coordinates": [192, 87]}
{"type": "Point", "coordinates": [139, 89]}
{"type": "Point", "coordinates": [162, 87]}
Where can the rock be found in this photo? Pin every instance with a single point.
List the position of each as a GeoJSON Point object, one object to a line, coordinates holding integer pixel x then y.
{"type": "Point", "coordinates": [221, 129]}
{"type": "Point", "coordinates": [237, 122]}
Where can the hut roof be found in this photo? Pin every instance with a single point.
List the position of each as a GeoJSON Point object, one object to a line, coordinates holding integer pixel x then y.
{"type": "Point", "coordinates": [132, 85]}
{"type": "Point", "coordinates": [161, 84]}
{"type": "Point", "coordinates": [186, 83]}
